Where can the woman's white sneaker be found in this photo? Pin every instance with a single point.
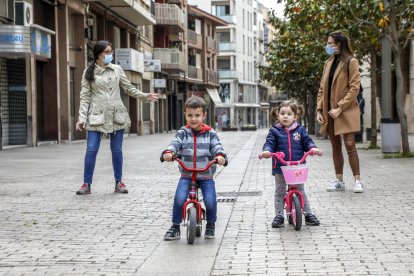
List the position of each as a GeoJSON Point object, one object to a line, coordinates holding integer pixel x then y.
{"type": "Point", "coordinates": [359, 187]}
{"type": "Point", "coordinates": [336, 186]}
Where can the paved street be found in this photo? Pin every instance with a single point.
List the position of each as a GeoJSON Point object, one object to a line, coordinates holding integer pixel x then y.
{"type": "Point", "coordinates": [46, 229]}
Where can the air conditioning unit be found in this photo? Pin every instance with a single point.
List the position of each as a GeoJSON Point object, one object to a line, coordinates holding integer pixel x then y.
{"type": "Point", "coordinates": [23, 13]}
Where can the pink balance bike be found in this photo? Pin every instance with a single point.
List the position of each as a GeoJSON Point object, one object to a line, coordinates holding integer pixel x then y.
{"type": "Point", "coordinates": [295, 172]}
{"type": "Point", "coordinates": [193, 212]}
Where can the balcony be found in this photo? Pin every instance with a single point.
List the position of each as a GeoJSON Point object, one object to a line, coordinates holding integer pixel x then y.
{"type": "Point", "coordinates": [227, 74]}
{"type": "Point", "coordinates": [194, 39]}
{"type": "Point", "coordinates": [212, 44]}
{"type": "Point", "coordinates": [227, 47]}
{"type": "Point", "coordinates": [170, 15]}
{"type": "Point", "coordinates": [138, 12]}
{"type": "Point", "coordinates": [195, 73]}
{"type": "Point", "coordinates": [171, 59]}
{"type": "Point", "coordinates": [211, 77]}
{"type": "Point", "coordinates": [229, 18]}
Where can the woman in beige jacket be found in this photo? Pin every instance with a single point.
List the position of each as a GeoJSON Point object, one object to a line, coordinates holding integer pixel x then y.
{"type": "Point", "coordinates": [101, 111]}
{"type": "Point", "coordinates": [337, 110]}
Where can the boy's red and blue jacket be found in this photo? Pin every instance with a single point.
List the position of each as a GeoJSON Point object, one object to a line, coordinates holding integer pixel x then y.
{"type": "Point", "coordinates": [197, 151]}
{"type": "Point", "coordinates": [293, 142]}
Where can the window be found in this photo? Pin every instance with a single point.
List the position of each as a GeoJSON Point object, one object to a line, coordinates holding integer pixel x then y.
{"type": "Point", "coordinates": [7, 9]}
{"type": "Point", "coordinates": [221, 10]}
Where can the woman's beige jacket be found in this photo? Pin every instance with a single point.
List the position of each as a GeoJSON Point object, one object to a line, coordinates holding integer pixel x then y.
{"type": "Point", "coordinates": [101, 107]}
{"type": "Point", "coordinates": [345, 88]}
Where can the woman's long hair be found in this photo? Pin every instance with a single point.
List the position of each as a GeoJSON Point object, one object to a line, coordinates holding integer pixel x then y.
{"type": "Point", "coordinates": [99, 47]}
{"type": "Point", "coordinates": [346, 52]}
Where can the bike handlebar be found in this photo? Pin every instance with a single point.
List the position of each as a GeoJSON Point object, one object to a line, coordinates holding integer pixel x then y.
{"type": "Point", "coordinates": [214, 161]}
{"type": "Point", "coordinates": [178, 159]}
{"type": "Point", "coordinates": [281, 155]}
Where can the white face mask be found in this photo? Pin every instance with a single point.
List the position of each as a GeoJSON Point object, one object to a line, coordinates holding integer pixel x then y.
{"type": "Point", "coordinates": [108, 59]}
{"type": "Point", "coordinates": [330, 50]}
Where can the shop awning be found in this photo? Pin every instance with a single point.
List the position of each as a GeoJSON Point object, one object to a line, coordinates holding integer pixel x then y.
{"type": "Point", "coordinates": [214, 96]}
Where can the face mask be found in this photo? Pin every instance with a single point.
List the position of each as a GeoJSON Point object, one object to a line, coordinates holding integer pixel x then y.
{"type": "Point", "coordinates": [108, 59]}
{"type": "Point", "coordinates": [330, 50]}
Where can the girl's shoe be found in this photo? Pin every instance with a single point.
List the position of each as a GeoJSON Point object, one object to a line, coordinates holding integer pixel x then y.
{"type": "Point", "coordinates": [278, 221]}
{"type": "Point", "coordinates": [85, 189]}
{"type": "Point", "coordinates": [311, 219]}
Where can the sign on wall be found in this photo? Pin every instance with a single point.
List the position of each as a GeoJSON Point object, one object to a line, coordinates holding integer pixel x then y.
{"type": "Point", "coordinates": [153, 65]}
{"type": "Point", "coordinates": [129, 59]}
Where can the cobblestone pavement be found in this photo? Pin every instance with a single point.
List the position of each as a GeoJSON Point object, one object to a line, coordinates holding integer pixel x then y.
{"type": "Point", "coordinates": [46, 229]}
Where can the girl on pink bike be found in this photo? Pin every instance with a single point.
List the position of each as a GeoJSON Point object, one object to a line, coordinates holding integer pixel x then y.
{"type": "Point", "coordinates": [293, 140]}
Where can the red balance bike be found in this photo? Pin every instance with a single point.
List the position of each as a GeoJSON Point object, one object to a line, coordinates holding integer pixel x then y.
{"type": "Point", "coordinates": [193, 211]}
{"type": "Point", "coordinates": [295, 172]}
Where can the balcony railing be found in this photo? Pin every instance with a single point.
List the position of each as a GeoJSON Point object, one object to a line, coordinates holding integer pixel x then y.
{"type": "Point", "coordinates": [169, 14]}
{"type": "Point", "coordinates": [212, 44]}
{"type": "Point", "coordinates": [171, 59]}
{"type": "Point", "coordinates": [227, 74]}
{"type": "Point", "coordinates": [212, 77]}
{"type": "Point", "coordinates": [195, 73]}
{"type": "Point", "coordinates": [195, 39]}
{"type": "Point", "coordinates": [227, 47]}
{"type": "Point", "coordinates": [230, 18]}
{"type": "Point", "coordinates": [137, 12]}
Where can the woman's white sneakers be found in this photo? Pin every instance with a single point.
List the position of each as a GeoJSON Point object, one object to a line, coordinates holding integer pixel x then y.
{"type": "Point", "coordinates": [359, 187]}
{"type": "Point", "coordinates": [340, 186]}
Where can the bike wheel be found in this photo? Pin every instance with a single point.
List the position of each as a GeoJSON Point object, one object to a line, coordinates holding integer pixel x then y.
{"type": "Point", "coordinates": [191, 224]}
{"type": "Point", "coordinates": [296, 213]}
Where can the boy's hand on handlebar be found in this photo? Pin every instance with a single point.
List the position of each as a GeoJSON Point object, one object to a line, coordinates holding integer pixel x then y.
{"type": "Point", "coordinates": [220, 160]}
{"type": "Point", "coordinates": [316, 151]}
{"type": "Point", "coordinates": [168, 157]}
{"type": "Point", "coordinates": [266, 154]}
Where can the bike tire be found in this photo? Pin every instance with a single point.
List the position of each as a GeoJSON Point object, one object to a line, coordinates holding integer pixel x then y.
{"type": "Point", "coordinates": [191, 225]}
{"type": "Point", "coordinates": [296, 213]}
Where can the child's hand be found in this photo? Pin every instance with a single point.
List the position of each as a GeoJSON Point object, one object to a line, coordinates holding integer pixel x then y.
{"type": "Point", "coordinates": [266, 154]}
{"type": "Point", "coordinates": [220, 160]}
{"type": "Point", "coordinates": [168, 157]}
{"type": "Point", "coordinates": [316, 151]}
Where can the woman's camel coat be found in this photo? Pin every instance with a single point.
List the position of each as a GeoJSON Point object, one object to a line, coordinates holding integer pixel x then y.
{"type": "Point", "coordinates": [345, 88]}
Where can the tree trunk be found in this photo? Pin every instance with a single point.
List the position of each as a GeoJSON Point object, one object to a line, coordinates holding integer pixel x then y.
{"type": "Point", "coordinates": [400, 102]}
{"type": "Point", "coordinates": [311, 114]}
{"type": "Point", "coordinates": [373, 53]}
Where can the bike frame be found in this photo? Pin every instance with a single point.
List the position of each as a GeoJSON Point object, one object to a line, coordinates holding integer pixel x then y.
{"type": "Point", "coordinates": [193, 197]}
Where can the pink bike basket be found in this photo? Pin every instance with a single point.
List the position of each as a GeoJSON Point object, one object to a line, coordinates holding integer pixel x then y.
{"type": "Point", "coordinates": [295, 174]}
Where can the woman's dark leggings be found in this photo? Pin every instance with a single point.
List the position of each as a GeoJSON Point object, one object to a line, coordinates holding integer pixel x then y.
{"type": "Point", "coordinates": [338, 159]}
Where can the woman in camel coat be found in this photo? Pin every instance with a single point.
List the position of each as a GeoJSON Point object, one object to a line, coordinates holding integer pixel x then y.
{"type": "Point", "coordinates": [337, 110]}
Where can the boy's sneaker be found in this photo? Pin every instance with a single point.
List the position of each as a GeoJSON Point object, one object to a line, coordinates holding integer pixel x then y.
{"type": "Point", "coordinates": [172, 234]}
{"type": "Point", "coordinates": [359, 187]}
{"type": "Point", "coordinates": [85, 189]}
{"type": "Point", "coordinates": [278, 221]}
{"type": "Point", "coordinates": [120, 188]}
{"type": "Point", "coordinates": [209, 234]}
{"type": "Point", "coordinates": [336, 186]}
{"type": "Point", "coordinates": [311, 219]}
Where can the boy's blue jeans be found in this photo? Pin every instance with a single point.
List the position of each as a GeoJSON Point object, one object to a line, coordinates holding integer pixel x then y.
{"type": "Point", "coordinates": [209, 197]}
{"type": "Point", "coordinates": [92, 148]}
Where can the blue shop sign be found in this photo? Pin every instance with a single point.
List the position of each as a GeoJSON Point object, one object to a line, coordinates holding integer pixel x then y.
{"type": "Point", "coordinates": [40, 43]}
{"type": "Point", "coordinates": [14, 39]}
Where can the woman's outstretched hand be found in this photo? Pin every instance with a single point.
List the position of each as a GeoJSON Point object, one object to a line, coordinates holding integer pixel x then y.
{"type": "Point", "coordinates": [153, 97]}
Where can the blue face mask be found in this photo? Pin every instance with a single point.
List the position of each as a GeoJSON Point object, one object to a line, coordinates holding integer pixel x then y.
{"type": "Point", "coordinates": [108, 59]}
{"type": "Point", "coordinates": [330, 50]}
